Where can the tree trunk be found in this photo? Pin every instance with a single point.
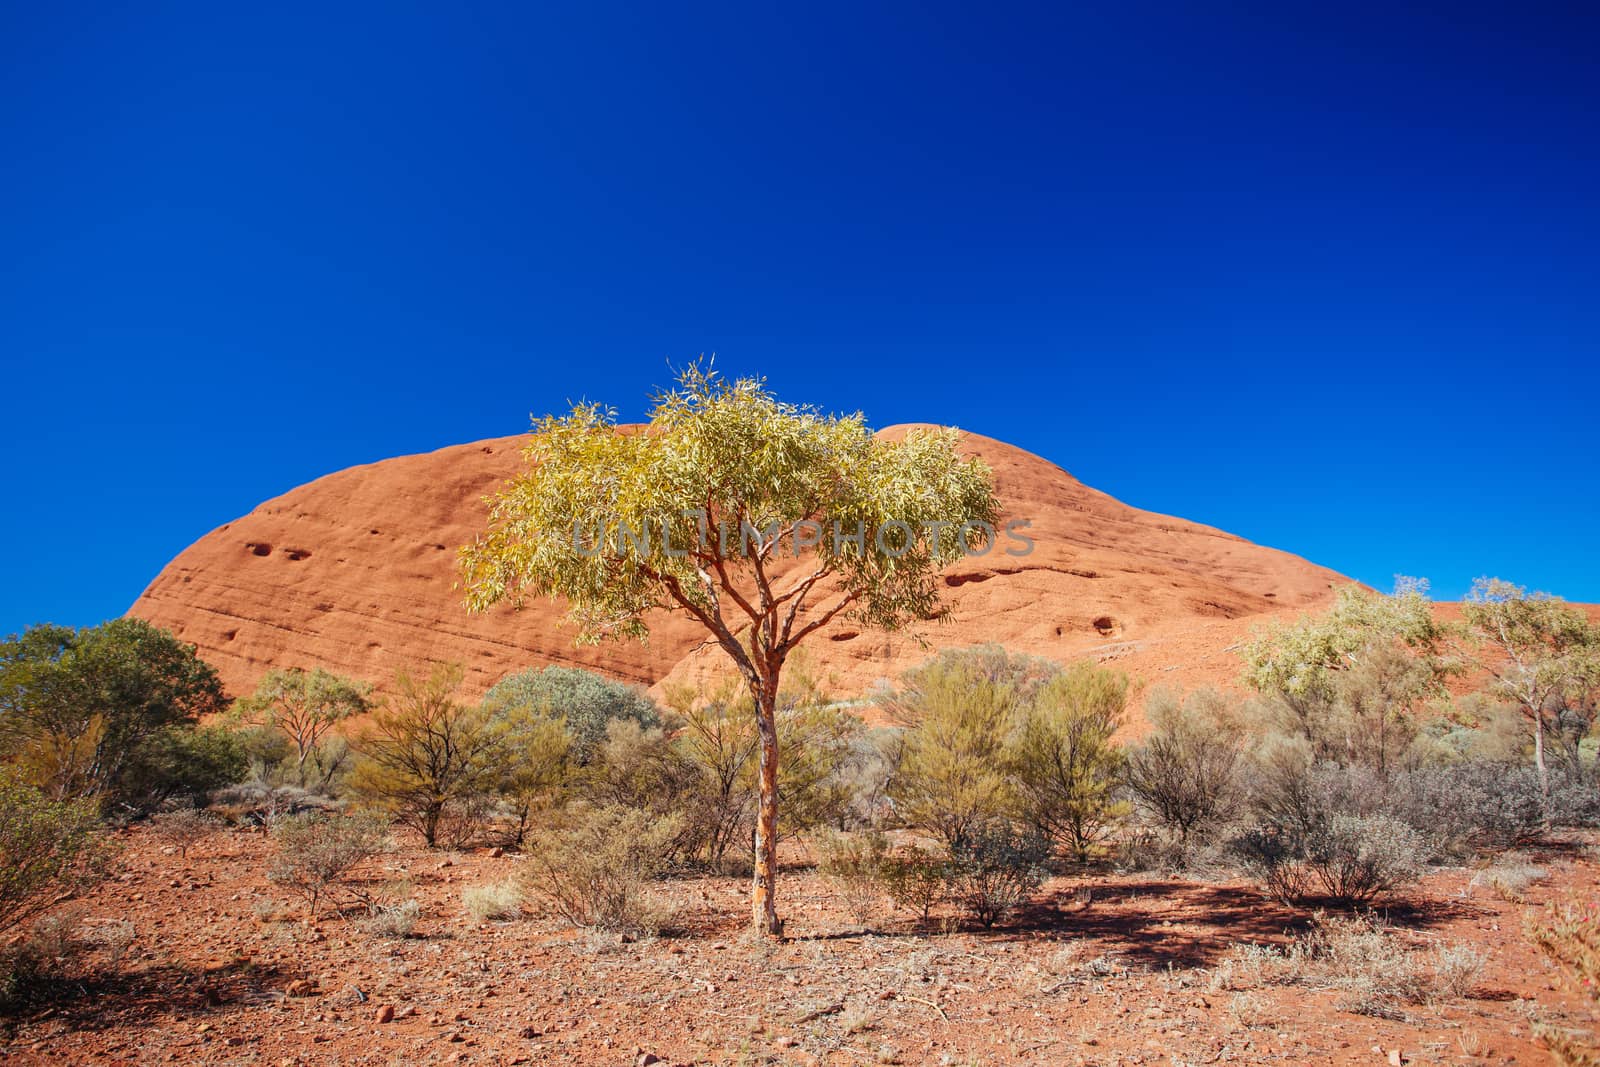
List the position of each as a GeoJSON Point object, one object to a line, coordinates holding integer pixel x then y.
{"type": "Point", "coordinates": [1538, 761]}
{"type": "Point", "coordinates": [763, 900]}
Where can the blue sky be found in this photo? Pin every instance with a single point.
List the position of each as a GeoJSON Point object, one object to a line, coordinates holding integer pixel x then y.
{"type": "Point", "coordinates": [1328, 278]}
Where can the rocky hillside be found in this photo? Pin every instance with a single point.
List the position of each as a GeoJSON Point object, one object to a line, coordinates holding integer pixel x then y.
{"type": "Point", "coordinates": [355, 572]}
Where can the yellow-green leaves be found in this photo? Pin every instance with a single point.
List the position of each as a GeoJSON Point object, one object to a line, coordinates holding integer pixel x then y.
{"type": "Point", "coordinates": [748, 513]}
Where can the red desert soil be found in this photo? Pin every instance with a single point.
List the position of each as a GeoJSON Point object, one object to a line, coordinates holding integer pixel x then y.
{"type": "Point", "coordinates": [355, 572]}
{"type": "Point", "coordinates": [1120, 979]}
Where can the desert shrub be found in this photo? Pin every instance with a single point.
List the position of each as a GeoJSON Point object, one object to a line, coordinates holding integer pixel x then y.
{"type": "Point", "coordinates": [182, 828]}
{"type": "Point", "coordinates": [995, 867]}
{"type": "Point", "coordinates": [1361, 961]}
{"type": "Point", "coordinates": [189, 762]}
{"type": "Point", "coordinates": [821, 750]}
{"type": "Point", "coordinates": [958, 712]}
{"type": "Point", "coordinates": [585, 702]}
{"type": "Point", "coordinates": [1569, 934]}
{"type": "Point", "coordinates": [534, 761]}
{"type": "Point", "coordinates": [426, 753]}
{"type": "Point", "coordinates": [1471, 805]}
{"type": "Point", "coordinates": [495, 901]}
{"type": "Point", "coordinates": [1064, 763]}
{"type": "Point", "coordinates": [49, 849]}
{"type": "Point", "coordinates": [105, 712]}
{"type": "Point", "coordinates": [1355, 858]}
{"type": "Point", "coordinates": [1275, 859]}
{"type": "Point", "coordinates": [46, 953]}
{"type": "Point", "coordinates": [1185, 775]}
{"type": "Point", "coordinates": [318, 856]}
{"type": "Point", "coordinates": [716, 744]}
{"type": "Point", "coordinates": [1575, 798]}
{"type": "Point", "coordinates": [915, 879]}
{"type": "Point", "coordinates": [258, 803]}
{"type": "Point", "coordinates": [591, 865]}
{"type": "Point", "coordinates": [852, 864]}
{"type": "Point", "coordinates": [1358, 959]}
{"type": "Point", "coordinates": [393, 919]}
{"type": "Point", "coordinates": [1350, 859]}
{"type": "Point", "coordinates": [303, 708]}
{"type": "Point", "coordinates": [1510, 875]}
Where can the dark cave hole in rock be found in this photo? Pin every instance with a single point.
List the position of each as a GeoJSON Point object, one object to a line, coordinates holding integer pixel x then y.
{"type": "Point", "coordinates": [1107, 626]}
{"type": "Point", "coordinates": [847, 635]}
{"type": "Point", "coordinates": [297, 553]}
{"type": "Point", "coordinates": [259, 548]}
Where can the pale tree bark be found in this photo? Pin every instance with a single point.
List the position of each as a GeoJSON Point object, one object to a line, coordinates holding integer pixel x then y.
{"type": "Point", "coordinates": [763, 885]}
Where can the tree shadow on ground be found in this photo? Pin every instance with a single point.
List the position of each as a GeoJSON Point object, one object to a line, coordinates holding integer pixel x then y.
{"type": "Point", "coordinates": [144, 997]}
{"type": "Point", "coordinates": [1167, 924]}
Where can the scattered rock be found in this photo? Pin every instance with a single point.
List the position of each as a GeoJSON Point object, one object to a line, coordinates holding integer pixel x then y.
{"type": "Point", "coordinates": [386, 1013]}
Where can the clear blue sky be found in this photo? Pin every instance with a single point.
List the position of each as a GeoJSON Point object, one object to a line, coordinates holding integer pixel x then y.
{"type": "Point", "coordinates": [1328, 278]}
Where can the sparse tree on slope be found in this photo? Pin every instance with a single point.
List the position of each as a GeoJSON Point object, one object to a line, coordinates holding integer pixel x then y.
{"type": "Point", "coordinates": [1540, 650]}
{"type": "Point", "coordinates": [741, 512]}
{"type": "Point", "coordinates": [305, 706]}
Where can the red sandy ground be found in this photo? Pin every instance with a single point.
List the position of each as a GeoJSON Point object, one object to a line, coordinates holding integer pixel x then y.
{"type": "Point", "coordinates": [1119, 980]}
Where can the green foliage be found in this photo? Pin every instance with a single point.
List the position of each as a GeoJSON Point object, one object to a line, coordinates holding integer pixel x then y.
{"type": "Point", "coordinates": [189, 761]}
{"type": "Point", "coordinates": [959, 711]}
{"type": "Point", "coordinates": [591, 865]}
{"type": "Point", "coordinates": [304, 707]}
{"type": "Point", "coordinates": [532, 759]}
{"type": "Point", "coordinates": [1352, 679]}
{"type": "Point", "coordinates": [585, 701]}
{"type": "Point", "coordinates": [695, 514]}
{"type": "Point", "coordinates": [1185, 775]}
{"type": "Point", "coordinates": [994, 867]}
{"type": "Point", "coordinates": [80, 708]}
{"type": "Point", "coordinates": [853, 865]}
{"type": "Point", "coordinates": [723, 452]}
{"type": "Point", "coordinates": [915, 879]}
{"type": "Point", "coordinates": [320, 857]}
{"type": "Point", "coordinates": [426, 755]}
{"type": "Point", "coordinates": [1540, 653]}
{"type": "Point", "coordinates": [49, 849]}
{"type": "Point", "coordinates": [1065, 763]}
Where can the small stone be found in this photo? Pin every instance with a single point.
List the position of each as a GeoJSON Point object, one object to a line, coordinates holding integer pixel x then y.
{"type": "Point", "coordinates": [386, 1013]}
{"type": "Point", "coordinates": [646, 1059]}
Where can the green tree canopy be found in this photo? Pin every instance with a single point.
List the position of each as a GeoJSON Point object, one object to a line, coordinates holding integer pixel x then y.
{"type": "Point", "coordinates": [588, 702]}
{"type": "Point", "coordinates": [305, 706]}
{"type": "Point", "coordinates": [78, 708]}
{"type": "Point", "coordinates": [761, 520]}
{"type": "Point", "coordinates": [1538, 650]}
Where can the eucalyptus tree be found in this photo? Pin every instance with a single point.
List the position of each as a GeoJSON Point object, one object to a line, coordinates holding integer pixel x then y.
{"type": "Point", "coordinates": [761, 520]}
{"type": "Point", "coordinates": [1540, 651]}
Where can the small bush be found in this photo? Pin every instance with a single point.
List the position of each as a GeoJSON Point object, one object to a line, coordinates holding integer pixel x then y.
{"type": "Point", "coordinates": [393, 920]}
{"type": "Point", "coordinates": [183, 828]}
{"type": "Point", "coordinates": [853, 865]}
{"type": "Point", "coordinates": [1274, 859]}
{"type": "Point", "coordinates": [1349, 859]}
{"type": "Point", "coordinates": [1185, 776]}
{"type": "Point", "coordinates": [591, 866]}
{"type": "Point", "coordinates": [1357, 858]}
{"type": "Point", "coordinates": [259, 803]}
{"type": "Point", "coordinates": [495, 902]}
{"type": "Point", "coordinates": [1510, 876]}
{"type": "Point", "coordinates": [1473, 805]}
{"type": "Point", "coordinates": [1570, 935]}
{"type": "Point", "coordinates": [318, 856]}
{"type": "Point", "coordinates": [49, 849]}
{"type": "Point", "coordinates": [994, 868]}
{"type": "Point", "coordinates": [916, 880]}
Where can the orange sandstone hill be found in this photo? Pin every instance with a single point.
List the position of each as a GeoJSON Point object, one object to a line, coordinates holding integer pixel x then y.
{"type": "Point", "coordinates": [355, 572]}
